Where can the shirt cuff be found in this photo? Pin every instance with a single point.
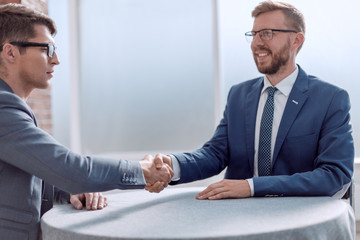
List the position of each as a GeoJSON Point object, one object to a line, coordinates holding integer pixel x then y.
{"type": "Point", "coordinates": [176, 168]}
{"type": "Point", "coordinates": [251, 184]}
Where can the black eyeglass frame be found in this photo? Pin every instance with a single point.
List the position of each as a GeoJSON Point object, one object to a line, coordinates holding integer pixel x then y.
{"type": "Point", "coordinates": [51, 48]}
{"type": "Point", "coordinates": [253, 33]}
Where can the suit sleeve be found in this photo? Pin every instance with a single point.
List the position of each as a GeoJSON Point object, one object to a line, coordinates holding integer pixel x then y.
{"type": "Point", "coordinates": [27, 147]}
{"type": "Point", "coordinates": [209, 160]}
{"type": "Point", "coordinates": [333, 165]}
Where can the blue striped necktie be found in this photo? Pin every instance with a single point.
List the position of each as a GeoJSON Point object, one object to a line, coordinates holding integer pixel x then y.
{"type": "Point", "coordinates": [264, 157]}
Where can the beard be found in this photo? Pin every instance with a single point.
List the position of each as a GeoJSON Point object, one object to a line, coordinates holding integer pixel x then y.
{"type": "Point", "coordinates": [278, 60]}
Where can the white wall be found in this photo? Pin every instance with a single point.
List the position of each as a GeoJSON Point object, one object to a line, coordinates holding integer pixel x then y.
{"type": "Point", "coordinates": [147, 74]}
{"type": "Point", "coordinates": [143, 79]}
{"type": "Point", "coordinates": [60, 84]}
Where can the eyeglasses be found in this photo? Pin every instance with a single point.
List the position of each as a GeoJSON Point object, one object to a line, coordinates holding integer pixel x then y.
{"type": "Point", "coordinates": [50, 47]}
{"type": "Point", "coordinates": [265, 34]}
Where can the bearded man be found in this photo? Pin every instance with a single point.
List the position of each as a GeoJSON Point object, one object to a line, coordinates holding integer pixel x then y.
{"type": "Point", "coordinates": [286, 133]}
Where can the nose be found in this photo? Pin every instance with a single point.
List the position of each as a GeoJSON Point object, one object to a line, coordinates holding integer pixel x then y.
{"type": "Point", "coordinates": [256, 42]}
{"type": "Point", "coordinates": [257, 39]}
{"type": "Point", "coordinates": [54, 60]}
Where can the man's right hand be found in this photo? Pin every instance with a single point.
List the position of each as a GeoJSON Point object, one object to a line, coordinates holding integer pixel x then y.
{"type": "Point", "coordinates": [157, 174]}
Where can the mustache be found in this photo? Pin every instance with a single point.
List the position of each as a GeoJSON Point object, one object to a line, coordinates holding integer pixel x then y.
{"type": "Point", "coordinates": [263, 49]}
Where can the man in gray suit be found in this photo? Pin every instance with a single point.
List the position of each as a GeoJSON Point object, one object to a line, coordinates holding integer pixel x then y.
{"type": "Point", "coordinates": [29, 157]}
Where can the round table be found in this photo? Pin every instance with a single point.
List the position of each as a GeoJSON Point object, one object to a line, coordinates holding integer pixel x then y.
{"type": "Point", "coordinates": [176, 214]}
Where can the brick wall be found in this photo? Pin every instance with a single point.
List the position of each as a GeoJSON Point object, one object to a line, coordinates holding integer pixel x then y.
{"type": "Point", "coordinates": [39, 100]}
{"type": "Point", "coordinates": [40, 103]}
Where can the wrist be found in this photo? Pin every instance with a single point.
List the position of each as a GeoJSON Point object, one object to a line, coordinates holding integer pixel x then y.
{"type": "Point", "coordinates": [170, 162]}
{"type": "Point", "coordinates": [145, 169]}
{"type": "Point", "coordinates": [176, 168]}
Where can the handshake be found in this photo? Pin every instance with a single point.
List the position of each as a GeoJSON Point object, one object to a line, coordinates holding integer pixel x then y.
{"type": "Point", "coordinates": [158, 172]}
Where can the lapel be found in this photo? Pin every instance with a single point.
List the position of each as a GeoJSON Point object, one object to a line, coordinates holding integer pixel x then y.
{"type": "Point", "coordinates": [296, 100]}
{"type": "Point", "coordinates": [250, 118]}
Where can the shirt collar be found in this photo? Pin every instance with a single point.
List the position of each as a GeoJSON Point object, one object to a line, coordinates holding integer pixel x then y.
{"type": "Point", "coordinates": [285, 85]}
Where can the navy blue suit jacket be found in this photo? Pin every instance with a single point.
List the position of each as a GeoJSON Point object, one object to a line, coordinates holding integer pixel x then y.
{"type": "Point", "coordinates": [314, 151]}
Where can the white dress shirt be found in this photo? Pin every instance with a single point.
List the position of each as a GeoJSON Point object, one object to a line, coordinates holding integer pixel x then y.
{"type": "Point", "coordinates": [280, 98]}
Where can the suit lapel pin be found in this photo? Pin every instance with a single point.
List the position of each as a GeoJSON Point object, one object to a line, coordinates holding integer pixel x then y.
{"type": "Point", "coordinates": [295, 102]}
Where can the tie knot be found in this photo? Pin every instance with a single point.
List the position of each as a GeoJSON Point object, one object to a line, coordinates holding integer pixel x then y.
{"type": "Point", "coordinates": [271, 91]}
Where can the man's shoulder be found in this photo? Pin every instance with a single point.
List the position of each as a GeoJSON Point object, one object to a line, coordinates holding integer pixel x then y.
{"type": "Point", "coordinates": [248, 83]}
{"type": "Point", "coordinates": [6, 94]}
{"type": "Point", "coordinates": [13, 107]}
{"type": "Point", "coordinates": [9, 98]}
{"type": "Point", "coordinates": [319, 85]}
{"type": "Point", "coordinates": [247, 86]}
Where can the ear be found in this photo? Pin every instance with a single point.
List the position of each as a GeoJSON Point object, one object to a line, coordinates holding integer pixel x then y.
{"type": "Point", "coordinates": [9, 52]}
{"type": "Point", "coordinates": [299, 39]}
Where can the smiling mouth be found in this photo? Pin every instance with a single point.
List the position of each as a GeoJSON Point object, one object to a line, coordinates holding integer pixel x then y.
{"type": "Point", "coordinates": [262, 57]}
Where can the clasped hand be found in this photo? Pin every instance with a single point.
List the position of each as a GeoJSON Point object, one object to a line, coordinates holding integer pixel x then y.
{"type": "Point", "coordinates": [157, 172]}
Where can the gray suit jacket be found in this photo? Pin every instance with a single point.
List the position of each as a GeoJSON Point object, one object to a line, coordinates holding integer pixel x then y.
{"type": "Point", "coordinates": [28, 155]}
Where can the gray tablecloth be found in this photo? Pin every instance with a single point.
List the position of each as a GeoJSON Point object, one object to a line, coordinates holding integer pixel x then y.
{"type": "Point", "coordinates": [176, 214]}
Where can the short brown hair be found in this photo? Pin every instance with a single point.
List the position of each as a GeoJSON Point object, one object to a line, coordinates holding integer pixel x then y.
{"type": "Point", "coordinates": [295, 19]}
{"type": "Point", "coordinates": [293, 15]}
{"type": "Point", "coordinates": [17, 23]}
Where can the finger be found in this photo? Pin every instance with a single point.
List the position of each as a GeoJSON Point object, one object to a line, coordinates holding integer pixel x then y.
{"type": "Point", "coordinates": [204, 192]}
{"type": "Point", "coordinates": [148, 157]}
{"type": "Point", "coordinates": [106, 202]}
{"type": "Point", "coordinates": [170, 170]}
{"type": "Point", "coordinates": [220, 195]}
{"type": "Point", "coordinates": [158, 161]}
{"type": "Point", "coordinates": [167, 160]}
{"type": "Point", "coordinates": [89, 200]}
{"type": "Point", "coordinates": [209, 191]}
{"type": "Point", "coordinates": [214, 194]}
{"type": "Point", "coordinates": [95, 201]}
{"type": "Point", "coordinates": [156, 187]}
{"type": "Point", "coordinates": [151, 188]}
{"type": "Point", "coordinates": [166, 173]}
{"type": "Point", "coordinates": [76, 202]}
{"type": "Point", "coordinates": [101, 203]}
{"type": "Point", "coordinates": [147, 186]}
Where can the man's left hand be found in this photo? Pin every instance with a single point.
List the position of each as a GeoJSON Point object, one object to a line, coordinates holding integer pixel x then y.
{"type": "Point", "coordinates": [92, 201]}
{"type": "Point", "coordinates": [226, 189]}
